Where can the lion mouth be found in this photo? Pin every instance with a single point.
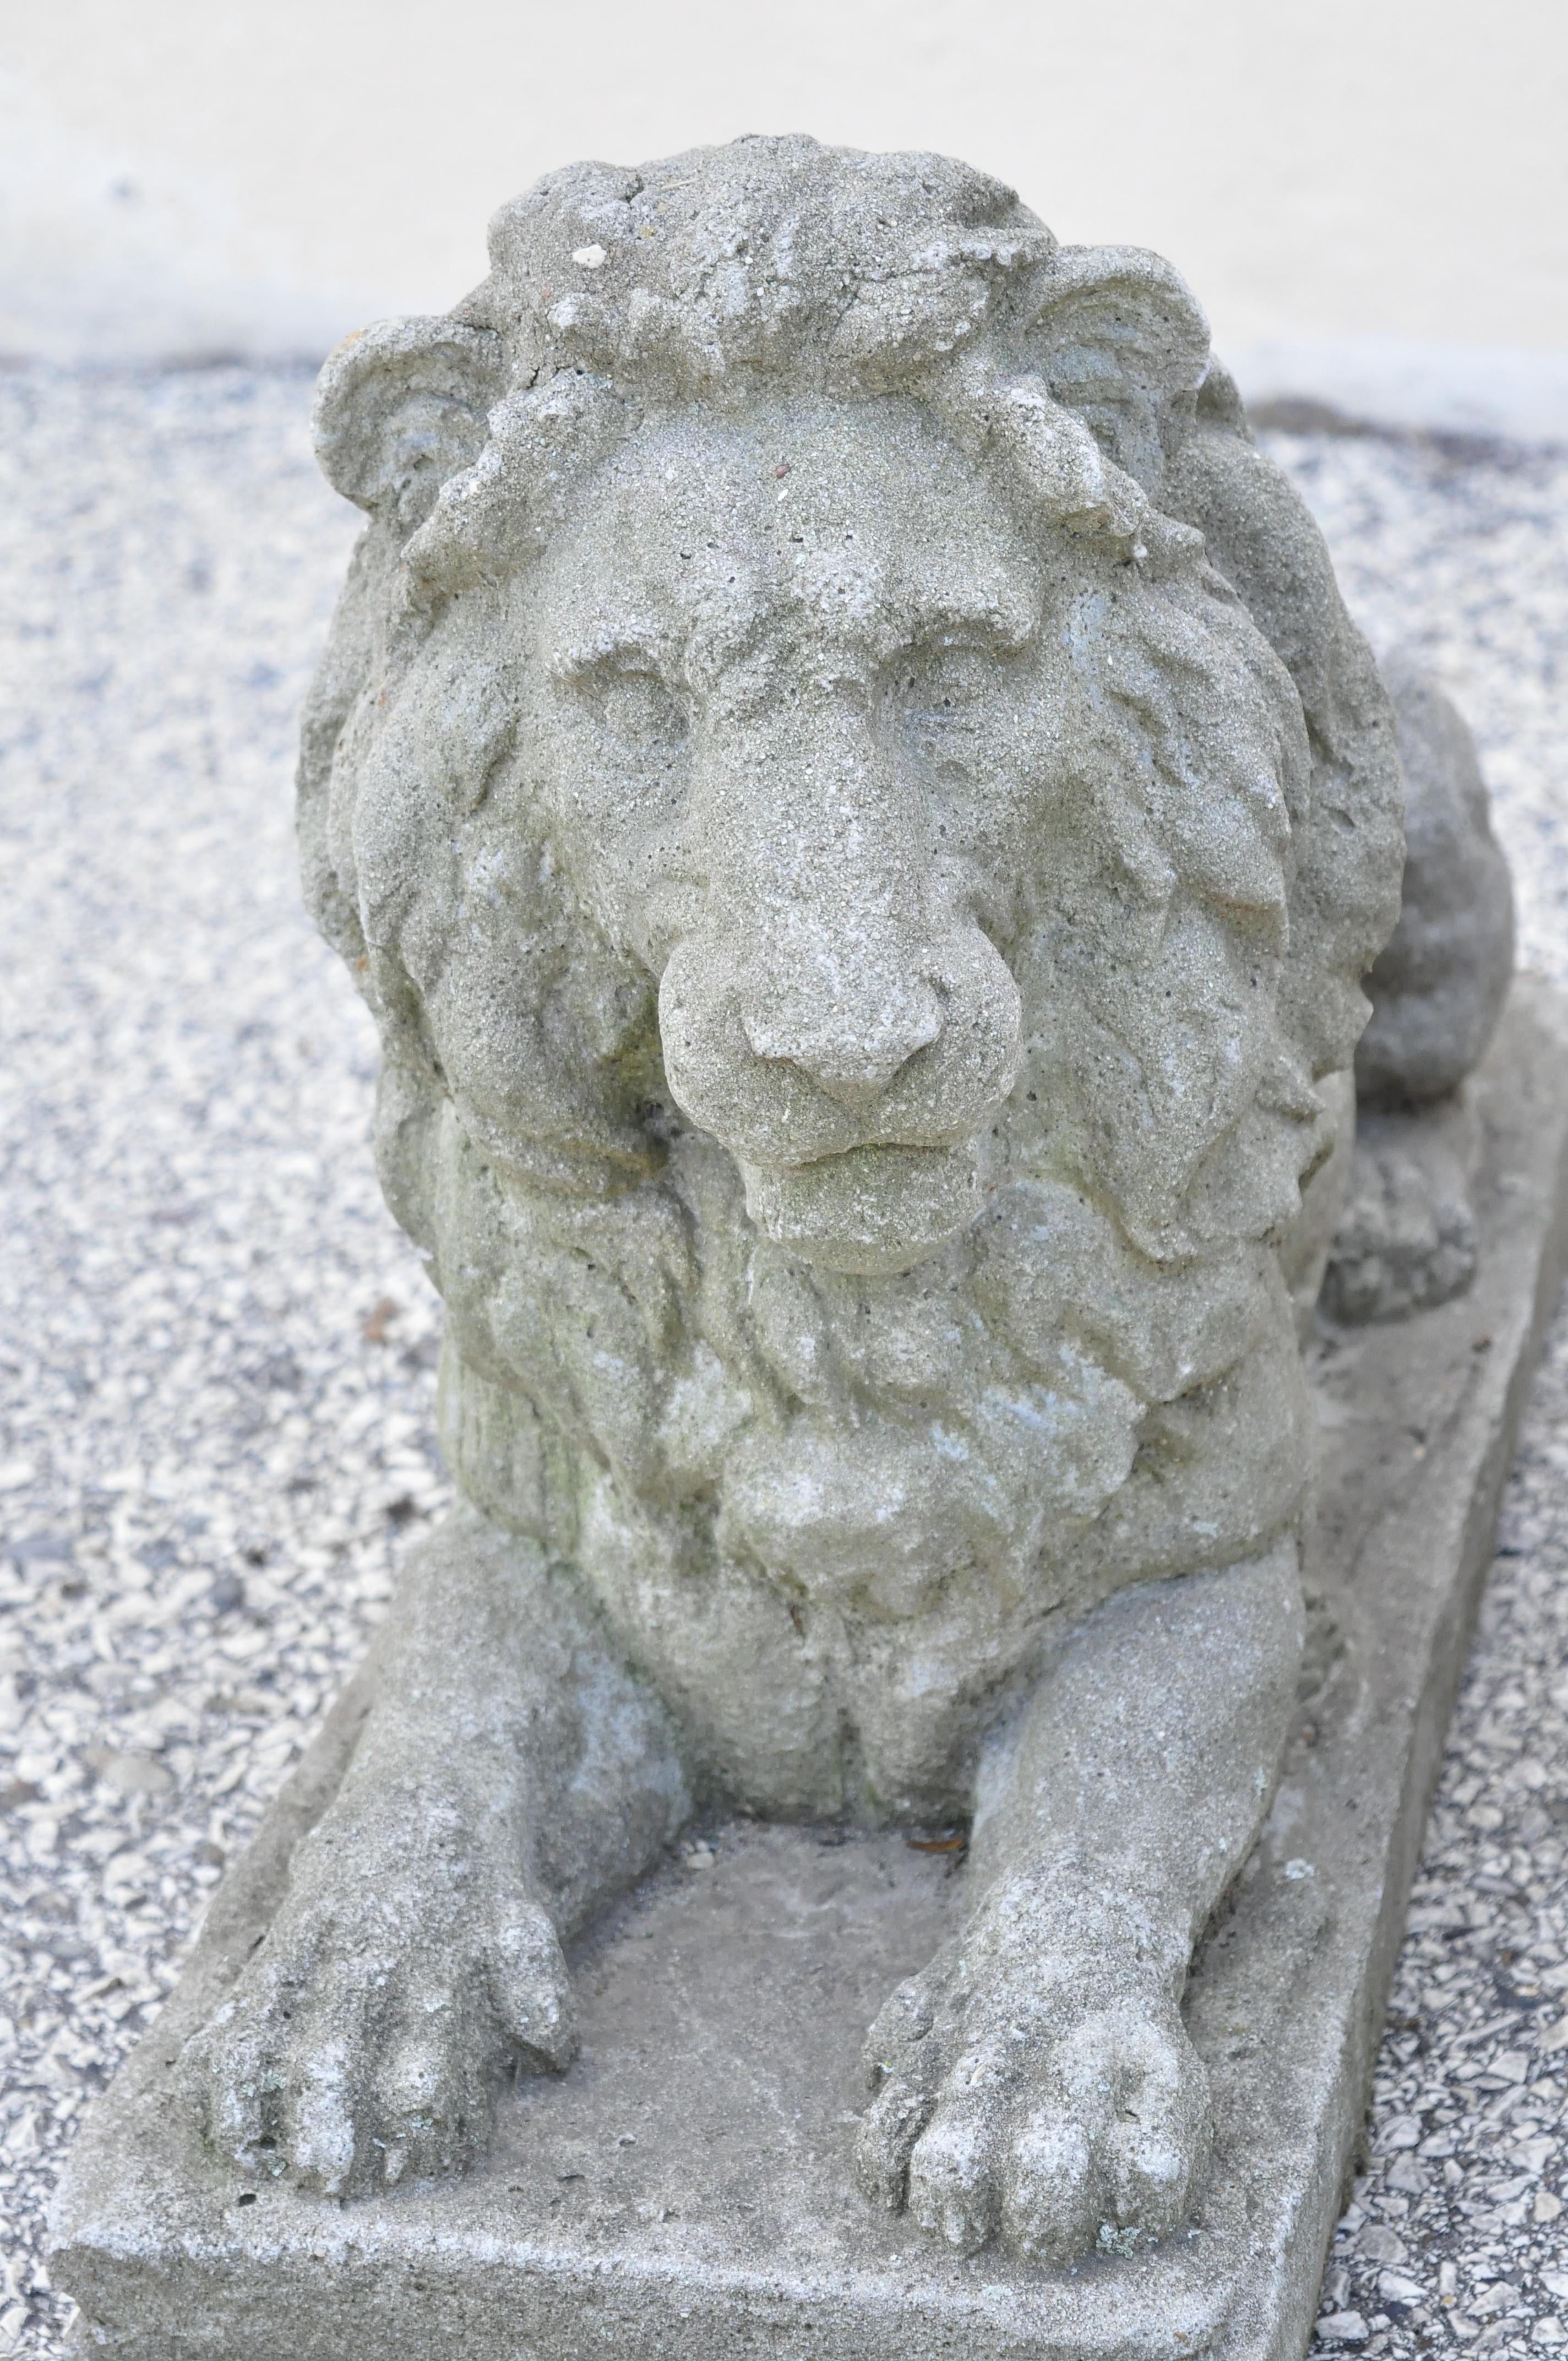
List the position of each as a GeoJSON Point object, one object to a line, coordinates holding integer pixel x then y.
{"type": "Point", "coordinates": [868, 1210]}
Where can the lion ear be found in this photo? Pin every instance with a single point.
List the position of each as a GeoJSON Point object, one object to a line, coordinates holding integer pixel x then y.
{"type": "Point", "coordinates": [1121, 340]}
{"type": "Point", "coordinates": [401, 406]}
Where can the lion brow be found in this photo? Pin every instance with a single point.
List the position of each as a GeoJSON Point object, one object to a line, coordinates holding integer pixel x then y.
{"type": "Point", "coordinates": [1006, 624]}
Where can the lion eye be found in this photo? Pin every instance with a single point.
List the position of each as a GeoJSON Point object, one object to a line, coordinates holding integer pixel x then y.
{"type": "Point", "coordinates": [638, 712]}
{"type": "Point", "coordinates": [949, 679]}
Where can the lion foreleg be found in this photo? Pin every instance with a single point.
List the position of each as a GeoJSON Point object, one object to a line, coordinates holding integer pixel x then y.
{"type": "Point", "coordinates": [511, 1775]}
{"type": "Point", "coordinates": [1036, 2080]}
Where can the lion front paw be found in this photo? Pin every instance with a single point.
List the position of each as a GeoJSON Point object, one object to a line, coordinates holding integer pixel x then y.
{"type": "Point", "coordinates": [1050, 2103]}
{"type": "Point", "coordinates": [368, 2035]}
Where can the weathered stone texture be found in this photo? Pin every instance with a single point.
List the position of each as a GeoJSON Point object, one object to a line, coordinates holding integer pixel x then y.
{"type": "Point", "coordinates": [1438, 986]}
{"type": "Point", "coordinates": [1406, 1236]}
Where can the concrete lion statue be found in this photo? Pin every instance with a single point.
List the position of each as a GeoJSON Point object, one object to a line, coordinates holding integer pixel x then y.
{"type": "Point", "coordinates": [850, 789]}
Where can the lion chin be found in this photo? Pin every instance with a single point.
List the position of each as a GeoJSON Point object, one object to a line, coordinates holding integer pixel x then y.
{"type": "Point", "coordinates": [869, 1209]}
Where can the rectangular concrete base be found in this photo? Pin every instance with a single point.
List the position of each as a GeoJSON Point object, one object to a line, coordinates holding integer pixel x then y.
{"type": "Point", "coordinates": [685, 2190]}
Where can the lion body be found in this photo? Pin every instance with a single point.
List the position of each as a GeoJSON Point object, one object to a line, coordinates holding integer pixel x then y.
{"type": "Point", "coordinates": [733, 686]}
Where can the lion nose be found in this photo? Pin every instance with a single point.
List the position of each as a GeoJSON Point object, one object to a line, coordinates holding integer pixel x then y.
{"type": "Point", "coordinates": [851, 1034]}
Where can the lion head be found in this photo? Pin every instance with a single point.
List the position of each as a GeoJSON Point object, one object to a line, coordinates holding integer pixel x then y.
{"type": "Point", "coordinates": [837, 870]}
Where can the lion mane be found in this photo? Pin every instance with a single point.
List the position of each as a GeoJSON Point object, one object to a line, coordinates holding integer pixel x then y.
{"type": "Point", "coordinates": [1098, 1381]}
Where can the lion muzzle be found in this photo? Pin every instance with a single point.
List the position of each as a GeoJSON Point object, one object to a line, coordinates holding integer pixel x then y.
{"type": "Point", "coordinates": [851, 1066]}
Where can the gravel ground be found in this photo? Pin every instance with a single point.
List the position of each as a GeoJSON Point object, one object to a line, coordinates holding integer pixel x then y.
{"type": "Point", "coordinates": [216, 1355]}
